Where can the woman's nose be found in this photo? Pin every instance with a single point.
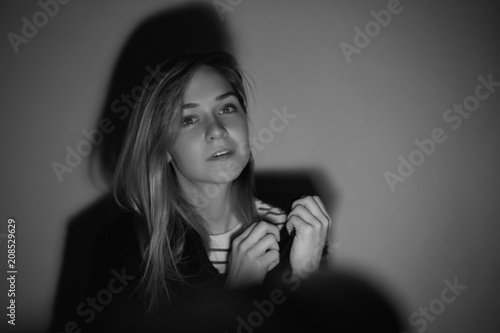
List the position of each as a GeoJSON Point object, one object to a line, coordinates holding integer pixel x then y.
{"type": "Point", "coordinates": [216, 130]}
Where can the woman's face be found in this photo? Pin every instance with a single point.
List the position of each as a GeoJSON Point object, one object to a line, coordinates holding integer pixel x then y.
{"type": "Point", "coordinates": [213, 121]}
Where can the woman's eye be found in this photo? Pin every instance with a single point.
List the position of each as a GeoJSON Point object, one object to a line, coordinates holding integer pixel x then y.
{"type": "Point", "coordinates": [228, 109]}
{"type": "Point", "coordinates": [188, 121]}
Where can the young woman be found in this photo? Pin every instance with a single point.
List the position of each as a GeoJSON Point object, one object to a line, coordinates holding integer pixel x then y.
{"type": "Point", "coordinates": [186, 174]}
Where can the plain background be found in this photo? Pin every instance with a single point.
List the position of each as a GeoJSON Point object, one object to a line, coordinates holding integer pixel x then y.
{"type": "Point", "coordinates": [352, 121]}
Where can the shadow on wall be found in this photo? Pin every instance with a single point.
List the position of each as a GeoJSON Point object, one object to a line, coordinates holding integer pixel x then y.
{"type": "Point", "coordinates": [304, 182]}
{"type": "Point", "coordinates": [156, 39]}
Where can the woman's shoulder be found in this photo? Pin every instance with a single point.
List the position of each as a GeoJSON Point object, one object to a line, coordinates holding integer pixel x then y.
{"type": "Point", "coordinates": [118, 234]}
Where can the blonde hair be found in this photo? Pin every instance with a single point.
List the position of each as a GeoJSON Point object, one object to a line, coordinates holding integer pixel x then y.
{"type": "Point", "coordinates": [146, 183]}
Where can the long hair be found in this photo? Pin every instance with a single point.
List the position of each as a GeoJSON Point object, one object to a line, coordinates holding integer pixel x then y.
{"type": "Point", "coordinates": [146, 183]}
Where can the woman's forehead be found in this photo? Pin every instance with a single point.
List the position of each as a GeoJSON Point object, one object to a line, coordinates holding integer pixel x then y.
{"type": "Point", "coordinates": [205, 85]}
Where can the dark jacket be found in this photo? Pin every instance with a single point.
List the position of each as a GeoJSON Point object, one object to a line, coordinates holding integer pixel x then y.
{"type": "Point", "coordinates": [200, 304]}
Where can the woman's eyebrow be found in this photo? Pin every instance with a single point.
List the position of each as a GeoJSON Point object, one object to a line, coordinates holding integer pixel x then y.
{"type": "Point", "coordinates": [217, 99]}
{"type": "Point", "coordinates": [224, 96]}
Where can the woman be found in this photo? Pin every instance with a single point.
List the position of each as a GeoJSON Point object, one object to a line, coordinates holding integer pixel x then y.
{"type": "Point", "coordinates": [186, 173]}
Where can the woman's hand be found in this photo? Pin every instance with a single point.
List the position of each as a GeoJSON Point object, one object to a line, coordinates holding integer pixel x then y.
{"type": "Point", "coordinates": [253, 254]}
{"type": "Point", "coordinates": [311, 222]}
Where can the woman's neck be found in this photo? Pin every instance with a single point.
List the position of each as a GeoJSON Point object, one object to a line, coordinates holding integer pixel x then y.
{"type": "Point", "coordinates": [216, 209]}
{"type": "Point", "coordinates": [219, 214]}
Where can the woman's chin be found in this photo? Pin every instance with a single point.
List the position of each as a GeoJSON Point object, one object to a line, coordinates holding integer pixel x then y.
{"type": "Point", "coordinates": [224, 176]}
{"type": "Point", "coordinates": [228, 170]}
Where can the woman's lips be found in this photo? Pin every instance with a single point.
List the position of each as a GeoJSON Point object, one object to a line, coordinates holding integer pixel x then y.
{"type": "Point", "coordinates": [221, 155]}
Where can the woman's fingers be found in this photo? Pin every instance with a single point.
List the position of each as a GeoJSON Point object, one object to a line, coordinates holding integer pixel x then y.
{"type": "Point", "coordinates": [305, 215]}
{"type": "Point", "coordinates": [271, 258]}
{"type": "Point", "coordinates": [240, 238]}
{"type": "Point", "coordinates": [300, 225]}
{"type": "Point", "coordinates": [323, 209]}
{"type": "Point", "coordinates": [314, 208]}
{"type": "Point", "coordinates": [260, 230]}
{"type": "Point", "coordinates": [266, 243]}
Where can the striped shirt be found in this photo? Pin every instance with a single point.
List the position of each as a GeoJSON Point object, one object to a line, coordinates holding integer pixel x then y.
{"type": "Point", "coordinates": [220, 244]}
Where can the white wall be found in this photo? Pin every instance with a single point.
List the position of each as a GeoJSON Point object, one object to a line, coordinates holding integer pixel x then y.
{"type": "Point", "coordinates": [352, 121]}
